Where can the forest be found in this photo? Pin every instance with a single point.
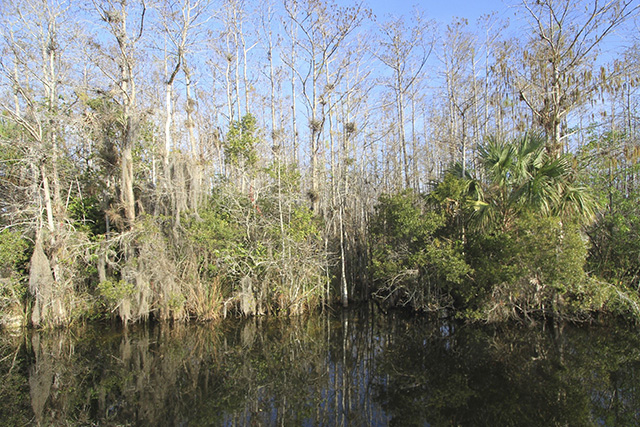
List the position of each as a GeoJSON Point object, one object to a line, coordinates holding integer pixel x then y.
{"type": "Point", "coordinates": [195, 159]}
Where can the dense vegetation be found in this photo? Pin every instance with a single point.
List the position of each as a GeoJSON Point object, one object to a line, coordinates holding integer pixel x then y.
{"type": "Point", "coordinates": [512, 244]}
{"type": "Point", "coordinates": [192, 159]}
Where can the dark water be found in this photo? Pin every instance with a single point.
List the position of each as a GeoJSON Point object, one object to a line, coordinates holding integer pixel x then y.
{"type": "Point", "coordinates": [352, 368]}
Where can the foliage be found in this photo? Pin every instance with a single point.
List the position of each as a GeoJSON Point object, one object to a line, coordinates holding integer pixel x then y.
{"type": "Point", "coordinates": [240, 142]}
{"type": "Point", "coordinates": [449, 195]}
{"type": "Point", "coordinates": [301, 224]}
{"type": "Point", "coordinates": [216, 242]}
{"type": "Point", "coordinates": [611, 170]}
{"type": "Point", "coordinates": [87, 214]}
{"type": "Point", "coordinates": [615, 238]}
{"type": "Point", "coordinates": [537, 269]}
{"type": "Point", "coordinates": [114, 293]}
{"type": "Point", "coordinates": [411, 264]}
{"type": "Point", "coordinates": [104, 124]}
{"type": "Point", "coordinates": [264, 250]}
{"type": "Point", "coordinates": [521, 175]}
{"type": "Point", "coordinates": [521, 222]}
{"type": "Point", "coordinates": [121, 193]}
{"type": "Point", "coordinates": [216, 231]}
{"type": "Point", "coordinates": [13, 258]}
{"type": "Point", "coordinates": [13, 254]}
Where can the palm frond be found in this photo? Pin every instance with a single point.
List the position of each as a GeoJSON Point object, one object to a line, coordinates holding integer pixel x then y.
{"type": "Point", "coordinates": [520, 175]}
{"type": "Point", "coordinates": [497, 159]}
{"type": "Point", "coordinates": [577, 200]}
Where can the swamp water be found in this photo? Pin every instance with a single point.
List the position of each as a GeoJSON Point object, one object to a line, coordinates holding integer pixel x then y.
{"type": "Point", "coordinates": [352, 368]}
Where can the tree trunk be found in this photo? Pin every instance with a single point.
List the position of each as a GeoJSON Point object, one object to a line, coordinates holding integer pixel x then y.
{"type": "Point", "coordinates": [46, 309]}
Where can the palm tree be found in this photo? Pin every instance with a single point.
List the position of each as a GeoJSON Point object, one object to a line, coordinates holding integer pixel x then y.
{"type": "Point", "coordinates": [520, 176]}
{"type": "Point", "coordinates": [524, 211]}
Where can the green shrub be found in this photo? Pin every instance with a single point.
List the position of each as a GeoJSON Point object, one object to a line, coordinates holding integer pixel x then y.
{"type": "Point", "coordinates": [615, 253]}
{"type": "Point", "coordinates": [13, 259]}
{"type": "Point", "coordinates": [535, 270]}
{"type": "Point", "coordinates": [113, 293]}
{"type": "Point", "coordinates": [87, 214]}
{"type": "Point", "coordinates": [412, 264]}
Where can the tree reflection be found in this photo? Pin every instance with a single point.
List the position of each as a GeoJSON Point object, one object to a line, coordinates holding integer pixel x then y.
{"type": "Point", "coordinates": [508, 376]}
{"type": "Point", "coordinates": [354, 368]}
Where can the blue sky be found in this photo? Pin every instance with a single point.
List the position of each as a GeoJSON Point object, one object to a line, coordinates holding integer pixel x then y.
{"type": "Point", "coordinates": [441, 10]}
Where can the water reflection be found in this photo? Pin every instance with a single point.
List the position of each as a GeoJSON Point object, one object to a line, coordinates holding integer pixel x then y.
{"type": "Point", "coordinates": [350, 369]}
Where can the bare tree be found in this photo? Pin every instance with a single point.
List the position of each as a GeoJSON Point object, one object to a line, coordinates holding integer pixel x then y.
{"type": "Point", "coordinates": [182, 23]}
{"type": "Point", "coordinates": [177, 21]}
{"type": "Point", "coordinates": [558, 61]}
{"type": "Point", "coordinates": [459, 59]}
{"type": "Point", "coordinates": [405, 50]}
{"type": "Point", "coordinates": [35, 70]}
{"type": "Point", "coordinates": [126, 26]}
{"type": "Point", "coordinates": [324, 29]}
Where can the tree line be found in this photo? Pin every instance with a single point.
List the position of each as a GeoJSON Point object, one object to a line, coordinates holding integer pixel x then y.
{"type": "Point", "coordinates": [196, 158]}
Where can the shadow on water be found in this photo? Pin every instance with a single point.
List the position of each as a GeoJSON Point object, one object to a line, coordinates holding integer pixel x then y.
{"type": "Point", "coordinates": [353, 368]}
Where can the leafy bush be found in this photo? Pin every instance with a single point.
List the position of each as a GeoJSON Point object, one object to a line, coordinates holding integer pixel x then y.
{"type": "Point", "coordinates": [412, 265]}
{"type": "Point", "coordinates": [615, 253]}
{"type": "Point", "coordinates": [536, 270]}
{"type": "Point", "coordinates": [265, 250]}
{"type": "Point", "coordinates": [13, 257]}
{"type": "Point", "coordinates": [113, 293]}
{"type": "Point", "coordinates": [241, 140]}
{"type": "Point", "coordinates": [217, 240]}
{"type": "Point", "coordinates": [87, 214]}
